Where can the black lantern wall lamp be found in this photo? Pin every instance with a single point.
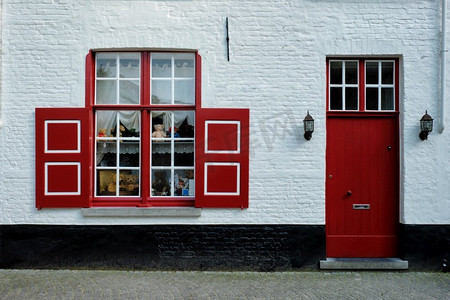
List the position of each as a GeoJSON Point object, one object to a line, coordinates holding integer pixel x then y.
{"type": "Point", "coordinates": [426, 126]}
{"type": "Point", "coordinates": [308, 126]}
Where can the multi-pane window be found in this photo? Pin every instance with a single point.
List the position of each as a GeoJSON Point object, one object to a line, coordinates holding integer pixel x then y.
{"type": "Point", "coordinates": [173, 78]}
{"type": "Point", "coordinates": [162, 126]}
{"type": "Point", "coordinates": [361, 85]}
{"type": "Point", "coordinates": [118, 78]}
{"type": "Point", "coordinates": [142, 139]}
{"type": "Point", "coordinates": [172, 153]}
{"type": "Point", "coordinates": [118, 153]}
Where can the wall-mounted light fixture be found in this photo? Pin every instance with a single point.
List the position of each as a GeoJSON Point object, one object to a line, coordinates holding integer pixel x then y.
{"type": "Point", "coordinates": [426, 126]}
{"type": "Point", "coordinates": [308, 126]}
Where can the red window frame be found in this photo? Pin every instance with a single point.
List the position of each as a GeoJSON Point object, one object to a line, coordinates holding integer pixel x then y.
{"type": "Point", "coordinates": [362, 87]}
{"type": "Point", "coordinates": [208, 167]}
{"type": "Point", "coordinates": [145, 106]}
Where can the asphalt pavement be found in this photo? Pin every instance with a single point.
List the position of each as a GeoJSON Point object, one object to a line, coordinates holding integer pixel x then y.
{"type": "Point", "coordinates": [93, 284]}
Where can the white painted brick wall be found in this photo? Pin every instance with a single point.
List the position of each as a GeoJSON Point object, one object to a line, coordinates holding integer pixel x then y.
{"type": "Point", "coordinates": [277, 69]}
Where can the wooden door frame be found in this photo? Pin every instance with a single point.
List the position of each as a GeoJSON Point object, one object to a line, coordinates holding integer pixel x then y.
{"type": "Point", "coordinates": [362, 113]}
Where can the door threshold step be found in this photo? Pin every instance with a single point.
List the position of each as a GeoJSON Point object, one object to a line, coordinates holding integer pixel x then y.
{"type": "Point", "coordinates": [390, 263]}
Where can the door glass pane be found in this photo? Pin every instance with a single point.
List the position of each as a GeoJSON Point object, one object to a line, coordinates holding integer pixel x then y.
{"type": "Point", "coordinates": [184, 153]}
{"type": "Point", "coordinates": [336, 72]}
{"type": "Point", "coordinates": [106, 92]}
{"type": "Point", "coordinates": [161, 182]}
{"type": "Point", "coordinates": [106, 153]}
{"type": "Point", "coordinates": [351, 72]}
{"type": "Point", "coordinates": [184, 182]}
{"type": "Point", "coordinates": [129, 92]}
{"type": "Point", "coordinates": [351, 98]}
{"type": "Point", "coordinates": [129, 65]}
{"type": "Point", "coordinates": [372, 72]}
{"type": "Point", "coordinates": [106, 182]}
{"type": "Point", "coordinates": [387, 73]}
{"type": "Point", "coordinates": [161, 92]}
{"type": "Point", "coordinates": [129, 183]}
{"type": "Point", "coordinates": [106, 65]}
{"type": "Point", "coordinates": [184, 65]}
{"type": "Point", "coordinates": [161, 65]}
{"type": "Point", "coordinates": [336, 98]}
{"type": "Point", "coordinates": [184, 91]}
{"type": "Point", "coordinates": [387, 99]}
{"type": "Point", "coordinates": [371, 98]}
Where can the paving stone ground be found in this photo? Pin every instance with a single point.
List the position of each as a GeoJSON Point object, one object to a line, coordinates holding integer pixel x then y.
{"type": "Point", "coordinates": [76, 284]}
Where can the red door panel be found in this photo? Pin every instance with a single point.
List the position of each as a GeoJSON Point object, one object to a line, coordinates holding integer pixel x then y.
{"type": "Point", "coordinates": [361, 187]}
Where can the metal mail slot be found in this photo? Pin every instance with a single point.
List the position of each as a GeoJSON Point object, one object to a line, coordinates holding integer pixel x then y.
{"type": "Point", "coordinates": [361, 206]}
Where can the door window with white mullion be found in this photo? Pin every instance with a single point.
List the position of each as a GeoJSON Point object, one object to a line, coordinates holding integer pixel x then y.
{"type": "Point", "coordinates": [343, 85]}
{"type": "Point", "coordinates": [379, 85]}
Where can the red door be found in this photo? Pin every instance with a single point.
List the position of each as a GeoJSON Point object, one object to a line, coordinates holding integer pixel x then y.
{"type": "Point", "coordinates": [361, 186]}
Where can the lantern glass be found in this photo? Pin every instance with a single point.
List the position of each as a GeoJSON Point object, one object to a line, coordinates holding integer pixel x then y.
{"type": "Point", "coordinates": [309, 126]}
{"type": "Point", "coordinates": [427, 125]}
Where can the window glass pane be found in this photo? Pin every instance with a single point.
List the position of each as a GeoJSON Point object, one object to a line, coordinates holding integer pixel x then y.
{"type": "Point", "coordinates": [106, 65]}
{"type": "Point", "coordinates": [387, 73]}
{"type": "Point", "coordinates": [129, 65]}
{"type": "Point", "coordinates": [161, 65]}
{"type": "Point", "coordinates": [184, 91]}
{"type": "Point", "coordinates": [130, 123]}
{"type": "Point", "coordinates": [372, 72]}
{"type": "Point", "coordinates": [335, 72]}
{"type": "Point", "coordinates": [106, 92]}
{"type": "Point", "coordinates": [160, 182]}
{"type": "Point", "coordinates": [106, 122]}
{"type": "Point", "coordinates": [161, 145]}
{"type": "Point", "coordinates": [161, 121]}
{"type": "Point", "coordinates": [129, 183]}
{"type": "Point", "coordinates": [161, 92]}
{"type": "Point", "coordinates": [351, 72]}
{"type": "Point", "coordinates": [336, 98]}
{"type": "Point", "coordinates": [129, 153]}
{"type": "Point", "coordinates": [106, 153]}
{"type": "Point", "coordinates": [371, 98]}
{"type": "Point", "coordinates": [106, 182]}
{"type": "Point", "coordinates": [184, 124]}
{"type": "Point", "coordinates": [351, 98]}
{"type": "Point", "coordinates": [184, 65]}
{"type": "Point", "coordinates": [161, 153]}
{"type": "Point", "coordinates": [184, 153]}
{"type": "Point", "coordinates": [129, 92]}
{"type": "Point", "coordinates": [184, 182]}
{"type": "Point", "coordinates": [387, 99]}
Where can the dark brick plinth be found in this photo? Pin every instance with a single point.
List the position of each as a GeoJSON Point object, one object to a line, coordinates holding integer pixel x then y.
{"type": "Point", "coordinates": [181, 247]}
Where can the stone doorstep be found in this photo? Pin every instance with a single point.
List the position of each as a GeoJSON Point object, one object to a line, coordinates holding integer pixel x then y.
{"type": "Point", "coordinates": [363, 264]}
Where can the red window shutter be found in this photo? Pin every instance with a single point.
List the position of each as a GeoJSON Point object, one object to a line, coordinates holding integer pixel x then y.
{"type": "Point", "coordinates": [62, 157]}
{"type": "Point", "coordinates": [222, 157]}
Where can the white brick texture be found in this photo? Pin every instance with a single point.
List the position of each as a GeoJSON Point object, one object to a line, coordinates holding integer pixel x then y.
{"type": "Point", "coordinates": [277, 68]}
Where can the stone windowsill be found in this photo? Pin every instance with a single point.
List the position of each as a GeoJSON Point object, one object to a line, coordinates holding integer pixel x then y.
{"type": "Point", "coordinates": [148, 212]}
